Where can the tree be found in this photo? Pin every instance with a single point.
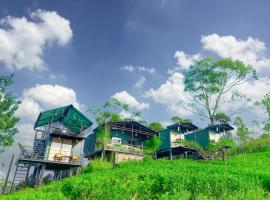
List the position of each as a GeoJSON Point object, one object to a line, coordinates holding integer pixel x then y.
{"type": "Point", "coordinates": [266, 103]}
{"type": "Point", "coordinates": [208, 81]}
{"type": "Point", "coordinates": [156, 126]}
{"type": "Point", "coordinates": [176, 119]}
{"type": "Point", "coordinates": [109, 112]}
{"type": "Point", "coordinates": [222, 117]}
{"type": "Point", "coordinates": [153, 143]}
{"type": "Point", "coordinates": [242, 130]}
{"type": "Point", "coordinates": [8, 106]}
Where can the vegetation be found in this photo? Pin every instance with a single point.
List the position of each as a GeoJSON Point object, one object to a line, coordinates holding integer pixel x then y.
{"type": "Point", "coordinates": [176, 119]}
{"type": "Point", "coordinates": [208, 81]}
{"type": "Point", "coordinates": [8, 106]}
{"type": "Point", "coordinates": [164, 179]}
{"type": "Point", "coordinates": [156, 126]}
{"type": "Point", "coordinates": [242, 130]}
{"type": "Point", "coordinates": [153, 143]}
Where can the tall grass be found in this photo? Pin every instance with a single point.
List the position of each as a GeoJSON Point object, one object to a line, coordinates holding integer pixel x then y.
{"type": "Point", "coordinates": [240, 177]}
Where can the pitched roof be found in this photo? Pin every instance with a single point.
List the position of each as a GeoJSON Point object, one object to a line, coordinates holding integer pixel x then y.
{"type": "Point", "coordinates": [183, 126]}
{"type": "Point", "coordinates": [128, 125]}
{"type": "Point", "coordinates": [69, 116]}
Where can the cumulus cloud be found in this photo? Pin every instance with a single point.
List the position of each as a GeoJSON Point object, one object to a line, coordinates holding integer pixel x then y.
{"type": "Point", "coordinates": [170, 94]}
{"type": "Point", "coordinates": [250, 51]}
{"type": "Point", "coordinates": [42, 97]}
{"type": "Point", "coordinates": [185, 60]}
{"type": "Point", "coordinates": [125, 98]}
{"type": "Point", "coordinates": [23, 41]}
{"type": "Point", "coordinates": [132, 68]}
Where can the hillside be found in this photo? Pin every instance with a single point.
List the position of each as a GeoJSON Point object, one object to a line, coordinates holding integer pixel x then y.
{"type": "Point", "coordinates": [245, 176]}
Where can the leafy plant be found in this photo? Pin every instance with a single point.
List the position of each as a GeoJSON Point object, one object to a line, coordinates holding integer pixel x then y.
{"type": "Point", "coordinates": [8, 106]}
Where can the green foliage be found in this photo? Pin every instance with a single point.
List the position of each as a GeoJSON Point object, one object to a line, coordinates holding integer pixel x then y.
{"type": "Point", "coordinates": [97, 165]}
{"type": "Point", "coordinates": [8, 106]}
{"type": "Point", "coordinates": [191, 144]}
{"type": "Point", "coordinates": [103, 136]}
{"type": "Point", "coordinates": [243, 132]}
{"type": "Point", "coordinates": [207, 81]}
{"type": "Point", "coordinates": [266, 103]}
{"type": "Point", "coordinates": [176, 119]}
{"type": "Point", "coordinates": [259, 144]}
{"type": "Point", "coordinates": [156, 126]}
{"type": "Point", "coordinates": [164, 179]}
{"type": "Point", "coordinates": [222, 117]}
{"type": "Point", "coordinates": [153, 142]}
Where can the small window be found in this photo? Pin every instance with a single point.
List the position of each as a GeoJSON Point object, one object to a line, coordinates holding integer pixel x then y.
{"type": "Point", "coordinates": [116, 140]}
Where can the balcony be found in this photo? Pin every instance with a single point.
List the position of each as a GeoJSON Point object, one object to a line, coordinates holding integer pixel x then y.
{"type": "Point", "coordinates": [28, 154]}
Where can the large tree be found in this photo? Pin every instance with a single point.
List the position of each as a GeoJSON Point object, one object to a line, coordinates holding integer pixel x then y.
{"type": "Point", "coordinates": [208, 81]}
{"type": "Point", "coordinates": [8, 106]}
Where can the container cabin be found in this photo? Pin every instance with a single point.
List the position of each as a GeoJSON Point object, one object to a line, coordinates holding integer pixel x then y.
{"type": "Point", "coordinates": [212, 133]}
{"type": "Point", "coordinates": [171, 141]}
{"type": "Point", "coordinates": [57, 146]}
{"type": "Point", "coordinates": [126, 141]}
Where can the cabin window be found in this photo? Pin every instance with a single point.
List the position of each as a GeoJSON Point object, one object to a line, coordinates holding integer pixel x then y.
{"type": "Point", "coordinates": [214, 136]}
{"type": "Point", "coordinates": [116, 140]}
{"type": "Point", "coordinates": [175, 137]}
{"type": "Point", "coordinates": [60, 148]}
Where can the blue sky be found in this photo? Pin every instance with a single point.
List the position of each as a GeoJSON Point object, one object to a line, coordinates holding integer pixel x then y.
{"type": "Point", "coordinates": [85, 52]}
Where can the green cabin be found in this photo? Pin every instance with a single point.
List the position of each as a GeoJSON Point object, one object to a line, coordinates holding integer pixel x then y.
{"type": "Point", "coordinates": [210, 133]}
{"type": "Point", "coordinates": [57, 146]}
{"type": "Point", "coordinates": [125, 136]}
{"type": "Point", "coordinates": [174, 133]}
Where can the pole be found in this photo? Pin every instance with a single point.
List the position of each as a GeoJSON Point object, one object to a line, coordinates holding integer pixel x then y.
{"type": "Point", "coordinates": [10, 165]}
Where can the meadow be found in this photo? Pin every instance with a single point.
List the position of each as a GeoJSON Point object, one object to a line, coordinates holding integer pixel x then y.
{"type": "Point", "coordinates": [245, 176]}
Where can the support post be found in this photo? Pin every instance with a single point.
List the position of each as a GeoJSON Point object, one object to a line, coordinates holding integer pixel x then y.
{"type": "Point", "coordinates": [10, 165]}
{"type": "Point", "coordinates": [170, 154]}
{"type": "Point", "coordinates": [40, 179]}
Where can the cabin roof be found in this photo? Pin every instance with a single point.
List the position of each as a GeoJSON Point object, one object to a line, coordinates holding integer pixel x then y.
{"type": "Point", "coordinates": [128, 126]}
{"type": "Point", "coordinates": [221, 127]}
{"type": "Point", "coordinates": [184, 126]}
{"type": "Point", "coordinates": [69, 116]}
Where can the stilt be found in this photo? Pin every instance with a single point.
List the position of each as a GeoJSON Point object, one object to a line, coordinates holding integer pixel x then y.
{"type": "Point", "coordinates": [42, 169]}
{"type": "Point", "coordinates": [170, 154]}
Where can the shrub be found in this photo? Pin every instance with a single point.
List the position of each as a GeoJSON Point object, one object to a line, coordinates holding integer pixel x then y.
{"type": "Point", "coordinates": [96, 165]}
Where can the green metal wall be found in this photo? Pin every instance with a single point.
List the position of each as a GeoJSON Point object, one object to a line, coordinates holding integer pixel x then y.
{"type": "Point", "coordinates": [166, 138]}
{"type": "Point", "coordinates": [201, 137]}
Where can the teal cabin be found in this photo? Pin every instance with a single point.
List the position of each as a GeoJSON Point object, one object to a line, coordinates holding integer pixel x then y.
{"type": "Point", "coordinates": [211, 133]}
{"type": "Point", "coordinates": [126, 139]}
{"type": "Point", "coordinates": [57, 146]}
{"type": "Point", "coordinates": [173, 133]}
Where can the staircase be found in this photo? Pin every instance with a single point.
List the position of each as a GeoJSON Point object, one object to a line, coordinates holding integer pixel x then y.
{"type": "Point", "coordinates": [39, 149]}
{"type": "Point", "coordinates": [21, 175]}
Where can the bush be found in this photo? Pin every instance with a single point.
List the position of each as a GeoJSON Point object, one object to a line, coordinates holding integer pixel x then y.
{"type": "Point", "coordinates": [97, 165]}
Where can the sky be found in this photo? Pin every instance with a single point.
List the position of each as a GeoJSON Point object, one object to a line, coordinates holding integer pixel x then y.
{"type": "Point", "coordinates": [86, 52]}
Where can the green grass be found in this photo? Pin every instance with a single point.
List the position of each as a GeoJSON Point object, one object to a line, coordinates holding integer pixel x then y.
{"type": "Point", "coordinates": [245, 176]}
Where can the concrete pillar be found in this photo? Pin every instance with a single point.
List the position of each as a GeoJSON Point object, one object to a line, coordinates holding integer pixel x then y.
{"type": "Point", "coordinates": [170, 154]}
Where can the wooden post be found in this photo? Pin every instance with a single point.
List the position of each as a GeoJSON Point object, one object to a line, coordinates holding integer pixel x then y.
{"type": "Point", "coordinates": [170, 154]}
{"type": "Point", "coordinates": [10, 165]}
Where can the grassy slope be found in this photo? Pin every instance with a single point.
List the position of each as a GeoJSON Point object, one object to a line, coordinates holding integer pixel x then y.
{"type": "Point", "coordinates": [242, 177]}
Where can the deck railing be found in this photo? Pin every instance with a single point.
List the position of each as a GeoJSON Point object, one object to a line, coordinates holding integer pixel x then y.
{"type": "Point", "coordinates": [29, 154]}
{"type": "Point", "coordinates": [126, 148]}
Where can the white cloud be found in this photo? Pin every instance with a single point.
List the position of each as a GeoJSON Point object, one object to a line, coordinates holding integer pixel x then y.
{"type": "Point", "coordinates": [42, 97]}
{"type": "Point", "coordinates": [132, 68]}
{"type": "Point", "coordinates": [23, 41]}
{"type": "Point", "coordinates": [171, 94]}
{"type": "Point", "coordinates": [250, 51]}
{"type": "Point", "coordinates": [126, 98]}
{"type": "Point", "coordinates": [26, 134]}
{"type": "Point", "coordinates": [28, 109]}
{"type": "Point", "coordinates": [140, 82]}
{"type": "Point", "coordinates": [129, 68]}
{"type": "Point", "coordinates": [185, 60]}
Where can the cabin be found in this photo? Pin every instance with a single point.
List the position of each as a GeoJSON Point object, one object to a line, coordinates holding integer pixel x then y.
{"type": "Point", "coordinates": [211, 133]}
{"type": "Point", "coordinates": [126, 141]}
{"type": "Point", "coordinates": [57, 146]}
{"type": "Point", "coordinates": [171, 140]}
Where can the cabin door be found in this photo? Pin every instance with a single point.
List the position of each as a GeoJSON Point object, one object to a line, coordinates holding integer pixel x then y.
{"type": "Point", "coordinates": [60, 149]}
